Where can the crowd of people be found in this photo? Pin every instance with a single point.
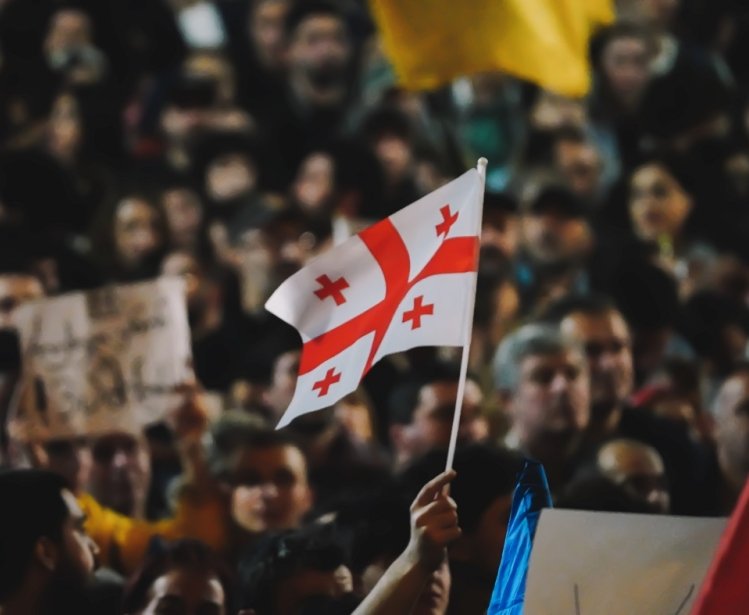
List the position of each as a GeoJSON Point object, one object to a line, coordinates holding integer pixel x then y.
{"type": "Point", "coordinates": [230, 142]}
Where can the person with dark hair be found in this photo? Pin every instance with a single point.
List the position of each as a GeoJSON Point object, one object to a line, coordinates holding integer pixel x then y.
{"type": "Point", "coordinates": [266, 475]}
{"type": "Point", "coordinates": [423, 423]}
{"type": "Point", "coordinates": [500, 224]}
{"type": "Point", "coordinates": [648, 298]}
{"type": "Point", "coordinates": [130, 238]}
{"type": "Point", "coordinates": [661, 205]}
{"type": "Point", "coordinates": [318, 51]}
{"type": "Point", "coordinates": [229, 168]}
{"type": "Point", "coordinates": [218, 325]}
{"type": "Point", "coordinates": [556, 239]}
{"type": "Point", "coordinates": [418, 579]}
{"type": "Point", "coordinates": [183, 577]}
{"type": "Point", "coordinates": [596, 324]}
{"type": "Point", "coordinates": [621, 55]}
{"type": "Point", "coordinates": [578, 161]}
{"type": "Point", "coordinates": [717, 327]}
{"type": "Point", "coordinates": [484, 506]}
{"type": "Point", "coordinates": [390, 135]}
{"type": "Point", "coordinates": [291, 571]}
{"type": "Point", "coordinates": [46, 558]}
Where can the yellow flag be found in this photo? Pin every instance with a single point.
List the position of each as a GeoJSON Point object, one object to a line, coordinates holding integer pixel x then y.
{"type": "Point", "coordinates": [431, 42]}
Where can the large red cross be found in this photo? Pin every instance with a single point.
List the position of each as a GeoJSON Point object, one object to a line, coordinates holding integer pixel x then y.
{"type": "Point", "coordinates": [454, 255]}
{"type": "Point", "coordinates": [330, 379]}
{"type": "Point", "coordinates": [418, 310]}
{"type": "Point", "coordinates": [328, 288]}
{"type": "Point", "coordinates": [448, 219]}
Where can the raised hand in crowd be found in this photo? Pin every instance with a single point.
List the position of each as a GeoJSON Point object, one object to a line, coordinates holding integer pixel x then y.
{"type": "Point", "coordinates": [434, 525]}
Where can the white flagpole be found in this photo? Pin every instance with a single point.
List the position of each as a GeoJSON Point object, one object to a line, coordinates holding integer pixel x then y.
{"type": "Point", "coordinates": [481, 167]}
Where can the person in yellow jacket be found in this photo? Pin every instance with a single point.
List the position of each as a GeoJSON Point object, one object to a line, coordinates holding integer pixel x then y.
{"type": "Point", "coordinates": [201, 510]}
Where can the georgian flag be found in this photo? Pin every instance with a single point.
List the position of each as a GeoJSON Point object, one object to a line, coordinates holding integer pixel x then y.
{"type": "Point", "coordinates": [406, 281]}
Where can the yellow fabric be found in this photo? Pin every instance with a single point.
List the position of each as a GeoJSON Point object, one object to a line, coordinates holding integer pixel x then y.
{"type": "Point", "coordinates": [123, 541]}
{"type": "Point", "coordinates": [431, 42]}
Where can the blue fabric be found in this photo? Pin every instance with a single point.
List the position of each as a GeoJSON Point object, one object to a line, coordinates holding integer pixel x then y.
{"type": "Point", "coordinates": [531, 495]}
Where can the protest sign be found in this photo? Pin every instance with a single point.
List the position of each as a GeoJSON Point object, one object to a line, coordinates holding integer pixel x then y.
{"type": "Point", "coordinates": [589, 563]}
{"type": "Point", "coordinates": [101, 361]}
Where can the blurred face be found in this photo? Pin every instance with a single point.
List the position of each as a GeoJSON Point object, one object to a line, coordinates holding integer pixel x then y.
{"type": "Point", "coordinates": [500, 229]}
{"type": "Point", "coordinates": [432, 419]}
{"type": "Point", "coordinates": [216, 68]}
{"type": "Point", "coordinates": [64, 131]}
{"type": "Point", "coordinates": [732, 427]}
{"type": "Point", "coordinates": [314, 183]}
{"type": "Point", "coordinates": [660, 13]}
{"type": "Point", "coordinates": [310, 583]}
{"type": "Point", "coordinates": [552, 397]}
{"type": "Point", "coordinates": [186, 592]}
{"type": "Point", "coordinates": [72, 460]}
{"type": "Point", "coordinates": [435, 597]}
{"type": "Point", "coordinates": [395, 155]}
{"type": "Point", "coordinates": [581, 166]}
{"type": "Point", "coordinates": [554, 239]}
{"type": "Point", "coordinates": [136, 232]}
{"type": "Point", "coordinates": [283, 382]}
{"type": "Point", "coordinates": [121, 473]}
{"type": "Point", "coordinates": [639, 469]}
{"type": "Point", "coordinates": [625, 63]}
{"type": "Point", "coordinates": [658, 205]}
{"type": "Point", "coordinates": [266, 30]}
{"type": "Point", "coordinates": [608, 348]}
{"type": "Point", "coordinates": [69, 28]}
{"type": "Point", "coordinates": [181, 264]}
{"type": "Point", "coordinates": [80, 551]}
{"type": "Point", "coordinates": [15, 290]}
{"type": "Point", "coordinates": [230, 176]}
{"type": "Point", "coordinates": [552, 111]}
{"type": "Point", "coordinates": [271, 489]}
{"type": "Point", "coordinates": [184, 215]}
{"type": "Point", "coordinates": [318, 55]}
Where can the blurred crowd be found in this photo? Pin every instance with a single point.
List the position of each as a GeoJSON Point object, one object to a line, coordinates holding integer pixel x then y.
{"type": "Point", "coordinates": [232, 141]}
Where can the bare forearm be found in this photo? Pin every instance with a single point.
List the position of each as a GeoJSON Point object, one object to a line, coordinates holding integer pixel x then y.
{"type": "Point", "coordinates": [398, 590]}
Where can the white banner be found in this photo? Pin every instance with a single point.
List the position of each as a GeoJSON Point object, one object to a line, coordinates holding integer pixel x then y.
{"type": "Point", "coordinates": [588, 563]}
{"type": "Point", "coordinates": [101, 361]}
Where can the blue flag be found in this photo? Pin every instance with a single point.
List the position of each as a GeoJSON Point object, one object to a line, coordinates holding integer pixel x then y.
{"type": "Point", "coordinates": [531, 495]}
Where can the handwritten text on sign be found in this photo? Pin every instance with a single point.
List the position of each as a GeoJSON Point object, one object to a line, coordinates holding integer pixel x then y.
{"type": "Point", "coordinates": [101, 361]}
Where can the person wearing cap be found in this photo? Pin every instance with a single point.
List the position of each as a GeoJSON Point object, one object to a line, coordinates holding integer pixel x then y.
{"type": "Point", "coordinates": [555, 241]}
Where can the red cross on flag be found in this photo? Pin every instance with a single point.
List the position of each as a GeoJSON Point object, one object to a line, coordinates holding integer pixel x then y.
{"type": "Point", "coordinates": [406, 281]}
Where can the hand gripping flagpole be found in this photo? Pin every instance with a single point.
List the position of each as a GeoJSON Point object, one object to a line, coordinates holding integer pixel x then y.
{"type": "Point", "coordinates": [481, 167]}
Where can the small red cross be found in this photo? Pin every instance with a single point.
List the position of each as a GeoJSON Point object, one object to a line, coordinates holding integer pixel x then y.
{"type": "Point", "coordinates": [329, 288]}
{"type": "Point", "coordinates": [448, 219]}
{"type": "Point", "coordinates": [330, 379]}
{"type": "Point", "coordinates": [418, 310]}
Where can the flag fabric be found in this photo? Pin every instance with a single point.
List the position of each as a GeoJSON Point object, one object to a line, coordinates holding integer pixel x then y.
{"type": "Point", "coordinates": [431, 42]}
{"type": "Point", "coordinates": [530, 497]}
{"type": "Point", "coordinates": [725, 590]}
{"type": "Point", "coordinates": [403, 282]}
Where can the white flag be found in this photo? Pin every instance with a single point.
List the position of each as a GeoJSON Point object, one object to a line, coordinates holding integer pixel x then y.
{"type": "Point", "coordinates": [406, 281]}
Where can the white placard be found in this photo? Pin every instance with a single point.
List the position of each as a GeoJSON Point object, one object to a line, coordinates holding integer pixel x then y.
{"type": "Point", "coordinates": [588, 563]}
{"type": "Point", "coordinates": [101, 361]}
